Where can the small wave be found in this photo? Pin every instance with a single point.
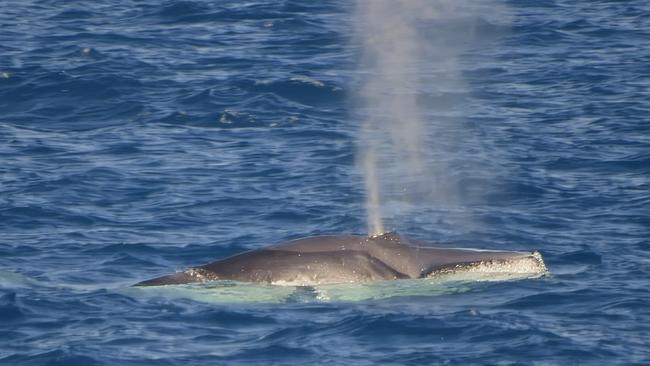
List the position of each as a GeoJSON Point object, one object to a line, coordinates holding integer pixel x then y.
{"type": "Point", "coordinates": [302, 89]}
{"type": "Point", "coordinates": [11, 280]}
{"type": "Point", "coordinates": [580, 257]}
{"type": "Point", "coordinates": [56, 357]}
{"type": "Point", "coordinates": [308, 80]}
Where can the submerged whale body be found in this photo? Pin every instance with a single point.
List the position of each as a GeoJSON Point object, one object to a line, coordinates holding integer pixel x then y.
{"type": "Point", "coordinates": [350, 258]}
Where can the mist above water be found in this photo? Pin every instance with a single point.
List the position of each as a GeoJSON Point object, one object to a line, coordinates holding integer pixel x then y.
{"type": "Point", "coordinates": [411, 90]}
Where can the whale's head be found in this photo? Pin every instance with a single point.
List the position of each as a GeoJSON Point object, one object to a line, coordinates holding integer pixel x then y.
{"type": "Point", "coordinates": [493, 265]}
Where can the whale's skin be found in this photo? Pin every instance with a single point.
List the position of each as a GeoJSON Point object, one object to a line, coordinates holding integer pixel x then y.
{"type": "Point", "coordinates": [350, 259]}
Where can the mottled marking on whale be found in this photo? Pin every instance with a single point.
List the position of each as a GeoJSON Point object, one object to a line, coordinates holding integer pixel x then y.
{"type": "Point", "coordinates": [352, 259]}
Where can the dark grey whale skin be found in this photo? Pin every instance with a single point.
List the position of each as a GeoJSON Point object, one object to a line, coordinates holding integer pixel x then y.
{"type": "Point", "coordinates": [335, 259]}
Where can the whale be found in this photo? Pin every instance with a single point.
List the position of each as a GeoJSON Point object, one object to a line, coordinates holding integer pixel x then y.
{"type": "Point", "coordinates": [335, 259]}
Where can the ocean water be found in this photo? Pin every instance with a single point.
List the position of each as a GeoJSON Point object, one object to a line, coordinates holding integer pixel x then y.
{"type": "Point", "coordinates": [142, 137]}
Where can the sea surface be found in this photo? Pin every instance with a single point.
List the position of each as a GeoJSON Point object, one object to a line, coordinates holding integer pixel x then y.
{"type": "Point", "coordinates": [138, 138]}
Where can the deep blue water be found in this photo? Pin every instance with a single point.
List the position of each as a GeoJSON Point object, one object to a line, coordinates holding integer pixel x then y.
{"type": "Point", "coordinates": [142, 137]}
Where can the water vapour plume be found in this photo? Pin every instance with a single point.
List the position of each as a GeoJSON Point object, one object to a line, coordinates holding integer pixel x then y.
{"type": "Point", "coordinates": [409, 64]}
